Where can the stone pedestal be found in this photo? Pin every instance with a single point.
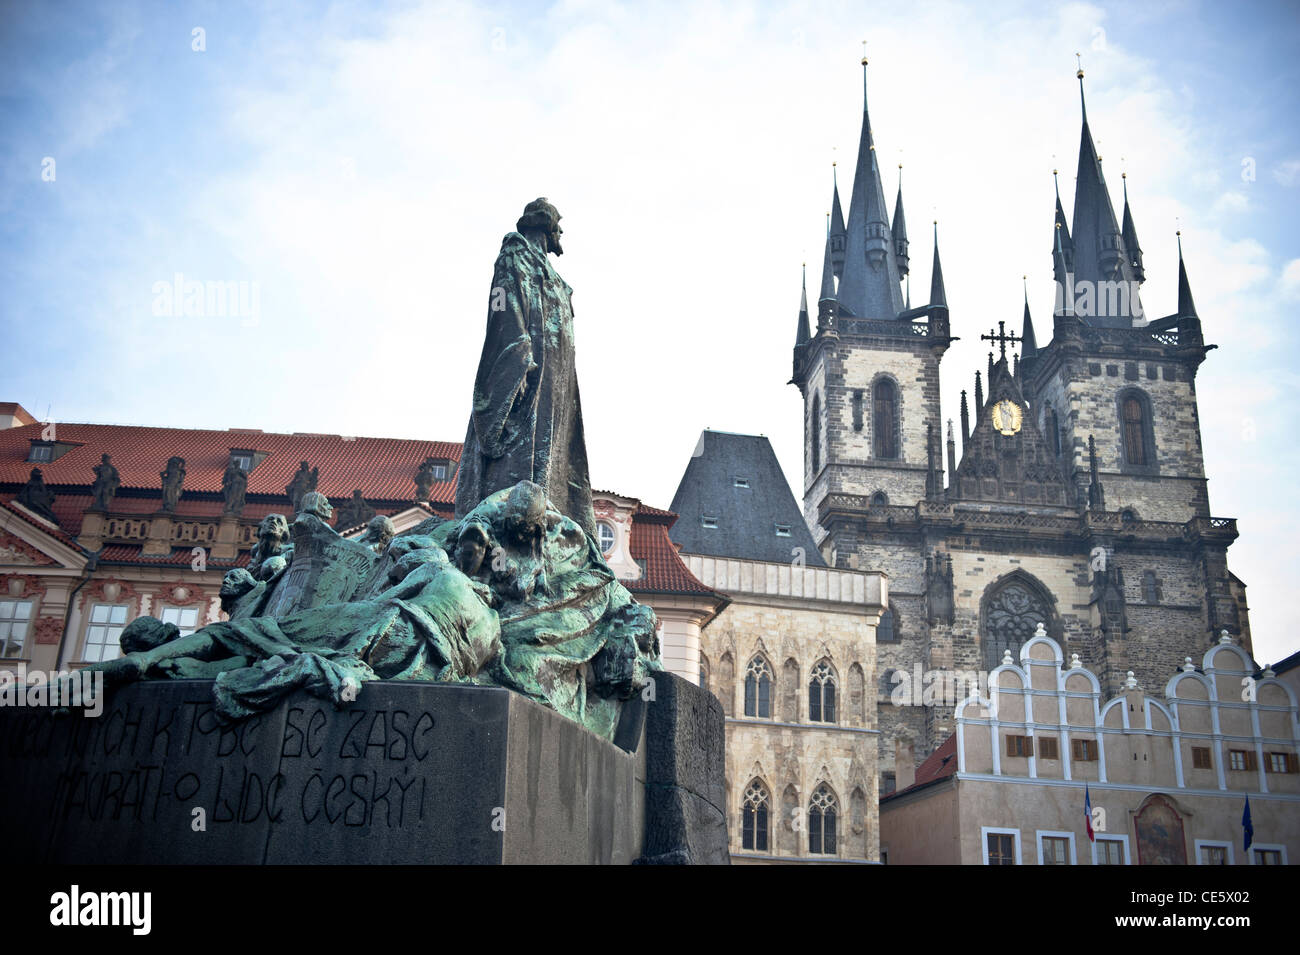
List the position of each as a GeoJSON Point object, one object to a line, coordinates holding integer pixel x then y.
{"type": "Point", "coordinates": [159, 541]}
{"type": "Point", "coordinates": [408, 773]}
{"type": "Point", "coordinates": [226, 546]}
{"type": "Point", "coordinates": [92, 530]}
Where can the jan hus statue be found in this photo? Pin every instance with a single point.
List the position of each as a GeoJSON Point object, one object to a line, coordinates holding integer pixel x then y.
{"type": "Point", "coordinates": [526, 423]}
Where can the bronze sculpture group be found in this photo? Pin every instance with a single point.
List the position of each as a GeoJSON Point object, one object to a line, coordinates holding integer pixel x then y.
{"type": "Point", "coordinates": [512, 592]}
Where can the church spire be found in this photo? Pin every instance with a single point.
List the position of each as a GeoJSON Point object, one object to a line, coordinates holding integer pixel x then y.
{"type": "Point", "coordinates": [1064, 280]}
{"type": "Point", "coordinates": [1131, 237]}
{"type": "Point", "coordinates": [804, 332]}
{"type": "Point", "coordinates": [869, 285]}
{"type": "Point", "coordinates": [1099, 254]}
{"type": "Point", "coordinates": [1061, 233]}
{"type": "Point", "coordinates": [900, 227]}
{"type": "Point", "coordinates": [1186, 307]}
{"type": "Point", "coordinates": [937, 295]}
{"type": "Point", "coordinates": [1028, 345]}
{"type": "Point", "coordinates": [979, 394]}
{"type": "Point", "coordinates": [837, 232]}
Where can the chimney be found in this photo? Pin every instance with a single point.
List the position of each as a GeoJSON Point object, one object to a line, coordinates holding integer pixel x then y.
{"type": "Point", "coordinates": [904, 764]}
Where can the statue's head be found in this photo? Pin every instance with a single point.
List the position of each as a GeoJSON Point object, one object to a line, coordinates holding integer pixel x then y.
{"type": "Point", "coordinates": [379, 532]}
{"type": "Point", "coordinates": [526, 513]}
{"type": "Point", "coordinates": [234, 585]}
{"type": "Point", "coordinates": [104, 459]}
{"type": "Point", "coordinates": [36, 476]}
{"type": "Point", "coordinates": [314, 502]}
{"type": "Point", "coordinates": [471, 548]}
{"type": "Point", "coordinates": [272, 532]}
{"type": "Point", "coordinates": [540, 216]}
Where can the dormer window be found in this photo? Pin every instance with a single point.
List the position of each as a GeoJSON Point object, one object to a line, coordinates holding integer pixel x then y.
{"type": "Point", "coordinates": [742, 482]}
{"type": "Point", "coordinates": [782, 530]}
{"type": "Point", "coordinates": [246, 459]}
{"type": "Point", "coordinates": [440, 472]}
{"type": "Point", "coordinates": [43, 452]}
{"type": "Point", "coordinates": [710, 523]}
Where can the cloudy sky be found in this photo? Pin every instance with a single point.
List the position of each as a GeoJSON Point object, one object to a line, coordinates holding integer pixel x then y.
{"type": "Point", "coordinates": [357, 165]}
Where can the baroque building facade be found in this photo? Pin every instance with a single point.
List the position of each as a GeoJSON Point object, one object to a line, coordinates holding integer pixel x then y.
{"type": "Point", "coordinates": [1072, 493]}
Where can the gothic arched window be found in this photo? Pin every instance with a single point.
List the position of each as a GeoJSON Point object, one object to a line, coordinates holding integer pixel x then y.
{"type": "Point", "coordinates": [887, 630]}
{"type": "Point", "coordinates": [879, 500]}
{"type": "Point", "coordinates": [1012, 612]}
{"type": "Point", "coordinates": [887, 684]}
{"type": "Point", "coordinates": [1136, 435]}
{"type": "Point", "coordinates": [823, 808]}
{"type": "Point", "coordinates": [884, 419]}
{"type": "Point", "coordinates": [758, 689]}
{"type": "Point", "coordinates": [1150, 587]}
{"type": "Point", "coordinates": [1052, 425]}
{"type": "Point", "coordinates": [821, 693]}
{"type": "Point", "coordinates": [754, 817]}
{"type": "Point", "coordinates": [815, 434]}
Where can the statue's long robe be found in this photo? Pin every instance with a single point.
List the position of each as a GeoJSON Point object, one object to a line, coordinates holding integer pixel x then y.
{"type": "Point", "coordinates": [526, 423]}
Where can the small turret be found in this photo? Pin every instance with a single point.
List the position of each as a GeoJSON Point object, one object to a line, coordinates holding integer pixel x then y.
{"type": "Point", "coordinates": [900, 230]}
{"type": "Point", "coordinates": [1131, 247]}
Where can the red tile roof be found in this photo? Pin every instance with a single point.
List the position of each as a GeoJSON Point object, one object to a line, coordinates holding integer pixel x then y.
{"type": "Point", "coordinates": [940, 764]}
{"type": "Point", "coordinates": [383, 468]}
{"type": "Point", "coordinates": [37, 521]}
{"type": "Point", "coordinates": [651, 546]}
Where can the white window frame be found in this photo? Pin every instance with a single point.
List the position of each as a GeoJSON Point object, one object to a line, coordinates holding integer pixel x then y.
{"type": "Point", "coordinates": [1111, 837]}
{"type": "Point", "coordinates": [198, 616]}
{"type": "Point", "coordinates": [613, 536]}
{"type": "Point", "coordinates": [709, 523]}
{"type": "Point", "coordinates": [27, 622]}
{"type": "Point", "coordinates": [986, 831]}
{"type": "Point", "coordinates": [1273, 847]}
{"type": "Point", "coordinates": [783, 530]}
{"type": "Point", "coordinates": [741, 483]}
{"type": "Point", "coordinates": [90, 623]}
{"type": "Point", "coordinates": [1199, 843]}
{"type": "Point", "coordinates": [1042, 834]}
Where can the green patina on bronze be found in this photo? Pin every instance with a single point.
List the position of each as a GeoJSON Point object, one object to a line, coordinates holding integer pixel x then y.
{"type": "Point", "coordinates": [512, 593]}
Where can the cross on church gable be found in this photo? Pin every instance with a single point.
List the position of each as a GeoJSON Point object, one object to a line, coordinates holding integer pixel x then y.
{"type": "Point", "coordinates": [1002, 337]}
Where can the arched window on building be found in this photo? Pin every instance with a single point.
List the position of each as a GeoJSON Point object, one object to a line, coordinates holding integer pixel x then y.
{"type": "Point", "coordinates": [887, 629]}
{"type": "Point", "coordinates": [888, 684]}
{"type": "Point", "coordinates": [1150, 587]}
{"type": "Point", "coordinates": [879, 499]}
{"type": "Point", "coordinates": [823, 808]}
{"type": "Point", "coordinates": [1137, 436]}
{"type": "Point", "coordinates": [821, 693]}
{"type": "Point", "coordinates": [884, 419]}
{"type": "Point", "coordinates": [1011, 611]}
{"type": "Point", "coordinates": [815, 434]}
{"type": "Point", "coordinates": [758, 689]}
{"type": "Point", "coordinates": [754, 817]}
{"type": "Point", "coordinates": [857, 409]}
{"type": "Point", "coordinates": [1052, 425]}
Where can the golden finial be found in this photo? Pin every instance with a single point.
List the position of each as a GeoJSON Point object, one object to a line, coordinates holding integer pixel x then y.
{"type": "Point", "coordinates": [1079, 57]}
{"type": "Point", "coordinates": [864, 52]}
{"type": "Point", "coordinates": [1053, 172]}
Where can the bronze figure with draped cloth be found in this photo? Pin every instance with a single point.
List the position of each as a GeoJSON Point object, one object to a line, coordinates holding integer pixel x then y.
{"type": "Point", "coordinates": [526, 423]}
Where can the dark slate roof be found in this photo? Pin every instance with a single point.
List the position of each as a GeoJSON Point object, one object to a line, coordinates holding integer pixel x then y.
{"type": "Point", "coordinates": [746, 517]}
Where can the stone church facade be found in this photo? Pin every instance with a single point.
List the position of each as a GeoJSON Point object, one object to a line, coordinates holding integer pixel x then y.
{"type": "Point", "coordinates": [1072, 493]}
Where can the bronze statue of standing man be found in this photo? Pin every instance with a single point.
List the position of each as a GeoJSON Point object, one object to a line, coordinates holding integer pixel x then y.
{"type": "Point", "coordinates": [526, 424]}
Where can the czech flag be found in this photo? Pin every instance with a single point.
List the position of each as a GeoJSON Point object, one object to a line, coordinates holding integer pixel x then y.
{"type": "Point", "coordinates": [1247, 829]}
{"type": "Point", "coordinates": [1087, 814]}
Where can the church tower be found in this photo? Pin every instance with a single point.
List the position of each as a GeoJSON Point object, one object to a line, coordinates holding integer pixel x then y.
{"type": "Point", "coordinates": [1078, 500]}
{"type": "Point", "coordinates": [869, 376]}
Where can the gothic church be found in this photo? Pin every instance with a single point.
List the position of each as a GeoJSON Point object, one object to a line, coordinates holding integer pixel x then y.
{"type": "Point", "coordinates": [1077, 498]}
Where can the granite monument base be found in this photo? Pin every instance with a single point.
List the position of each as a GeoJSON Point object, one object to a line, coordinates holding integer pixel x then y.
{"type": "Point", "coordinates": [408, 773]}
